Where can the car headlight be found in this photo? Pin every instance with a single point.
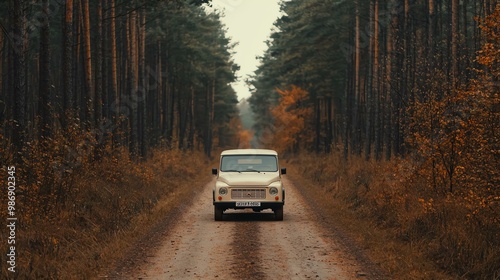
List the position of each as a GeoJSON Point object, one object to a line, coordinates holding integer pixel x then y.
{"type": "Point", "coordinates": [223, 191]}
{"type": "Point", "coordinates": [273, 191]}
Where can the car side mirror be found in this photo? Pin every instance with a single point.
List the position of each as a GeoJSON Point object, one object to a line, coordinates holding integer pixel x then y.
{"type": "Point", "coordinates": [214, 171]}
{"type": "Point", "coordinates": [283, 171]}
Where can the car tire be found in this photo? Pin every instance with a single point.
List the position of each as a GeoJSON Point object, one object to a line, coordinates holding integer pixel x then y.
{"type": "Point", "coordinates": [278, 213]}
{"type": "Point", "coordinates": [218, 213]}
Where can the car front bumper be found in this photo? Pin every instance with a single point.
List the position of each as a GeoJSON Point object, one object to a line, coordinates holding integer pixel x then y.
{"type": "Point", "coordinates": [263, 205]}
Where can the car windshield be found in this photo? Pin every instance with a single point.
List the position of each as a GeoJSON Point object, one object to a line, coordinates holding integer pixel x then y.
{"type": "Point", "coordinates": [249, 163]}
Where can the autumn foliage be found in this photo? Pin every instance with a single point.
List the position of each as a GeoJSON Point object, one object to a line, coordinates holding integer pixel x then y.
{"type": "Point", "coordinates": [292, 118]}
{"type": "Point", "coordinates": [441, 203]}
{"type": "Point", "coordinates": [77, 213]}
{"type": "Point", "coordinates": [455, 132]}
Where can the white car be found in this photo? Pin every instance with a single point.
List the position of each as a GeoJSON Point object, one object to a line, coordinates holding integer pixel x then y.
{"type": "Point", "coordinates": [249, 178]}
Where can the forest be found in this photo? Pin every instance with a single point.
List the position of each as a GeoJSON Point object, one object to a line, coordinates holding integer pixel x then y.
{"type": "Point", "coordinates": [398, 93]}
{"type": "Point", "coordinates": [89, 89]}
{"type": "Point", "coordinates": [408, 89]}
{"type": "Point", "coordinates": [135, 74]}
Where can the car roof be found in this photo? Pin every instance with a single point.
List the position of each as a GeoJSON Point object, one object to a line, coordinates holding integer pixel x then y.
{"type": "Point", "coordinates": [249, 152]}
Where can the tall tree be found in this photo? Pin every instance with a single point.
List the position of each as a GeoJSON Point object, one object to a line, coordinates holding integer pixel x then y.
{"type": "Point", "coordinates": [67, 61]}
{"type": "Point", "coordinates": [454, 41]}
{"type": "Point", "coordinates": [144, 86]}
{"type": "Point", "coordinates": [99, 69]}
{"type": "Point", "coordinates": [109, 70]}
{"type": "Point", "coordinates": [357, 92]}
{"type": "Point", "coordinates": [132, 93]}
{"type": "Point", "coordinates": [45, 99]}
{"type": "Point", "coordinates": [89, 94]}
{"type": "Point", "coordinates": [114, 96]}
{"type": "Point", "coordinates": [18, 33]}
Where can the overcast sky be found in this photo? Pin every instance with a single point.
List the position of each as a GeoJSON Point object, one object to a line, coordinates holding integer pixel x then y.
{"type": "Point", "coordinates": [249, 22]}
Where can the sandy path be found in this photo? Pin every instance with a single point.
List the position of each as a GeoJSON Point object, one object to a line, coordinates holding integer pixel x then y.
{"type": "Point", "coordinates": [249, 245]}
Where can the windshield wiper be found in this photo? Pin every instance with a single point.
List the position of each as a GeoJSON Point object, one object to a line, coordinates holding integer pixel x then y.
{"type": "Point", "coordinates": [231, 170]}
{"type": "Point", "coordinates": [252, 170]}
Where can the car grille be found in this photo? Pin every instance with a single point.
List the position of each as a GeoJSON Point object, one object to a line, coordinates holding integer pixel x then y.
{"type": "Point", "coordinates": [248, 193]}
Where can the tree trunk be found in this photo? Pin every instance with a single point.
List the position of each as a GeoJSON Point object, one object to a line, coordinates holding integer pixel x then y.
{"type": "Point", "coordinates": [3, 96]}
{"type": "Point", "coordinates": [370, 83]}
{"type": "Point", "coordinates": [329, 124]}
{"type": "Point", "coordinates": [376, 85]}
{"type": "Point", "coordinates": [89, 88]}
{"type": "Point", "coordinates": [79, 77]}
{"type": "Point", "coordinates": [317, 125]}
{"type": "Point", "coordinates": [191, 116]}
{"type": "Point", "coordinates": [454, 42]}
{"type": "Point", "coordinates": [158, 97]}
{"type": "Point", "coordinates": [391, 58]}
{"type": "Point", "coordinates": [432, 29]}
{"type": "Point", "coordinates": [133, 79]}
{"type": "Point", "coordinates": [18, 72]}
{"type": "Point", "coordinates": [210, 116]}
{"type": "Point", "coordinates": [142, 129]}
{"type": "Point", "coordinates": [357, 92]}
{"type": "Point", "coordinates": [182, 114]}
{"type": "Point", "coordinates": [347, 110]}
{"type": "Point", "coordinates": [114, 64]}
{"type": "Point", "coordinates": [45, 98]}
{"type": "Point", "coordinates": [67, 61]}
{"type": "Point", "coordinates": [99, 66]}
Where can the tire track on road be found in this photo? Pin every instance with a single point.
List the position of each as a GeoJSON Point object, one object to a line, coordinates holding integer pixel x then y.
{"type": "Point", "coordinates": [246, 251]}
{"type": "Point", "coordinates": [248, 245]}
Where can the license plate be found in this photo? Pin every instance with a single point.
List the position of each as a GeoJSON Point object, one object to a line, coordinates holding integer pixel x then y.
{"type": "Point", "coordinates": [247, 204]}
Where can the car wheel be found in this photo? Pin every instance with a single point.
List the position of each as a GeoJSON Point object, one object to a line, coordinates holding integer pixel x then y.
{"type": "Point", "coordinates": [218, 213]}
{"type": "Point", "coordinates": [278, 213]}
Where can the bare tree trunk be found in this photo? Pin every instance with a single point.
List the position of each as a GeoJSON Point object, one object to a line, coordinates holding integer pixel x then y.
{"type": "Point", "coordinates": [356, 143]}
{"type": "Point", "coordinates": [133, 79]}
{"type": "Point", "coordinates": [317, 124]}
{"type": "Point", "coordinates": [170, 110]}
{"type": "Point", "coordinates": [454, 41]}
{"type": "Point", "coordinates": [114, 64]}
{"type": "Point", "coordinates": [67, 72]}
{"type": "Point", "coordinates": [329, 124]}
{"type": "Point", "coordinates": [190, 144]}
{"type": "Point", "coordinates": [106, 67]}
{"type": "Point", "coordinates": [391, 57]}
{"type": "Point", "coordinates": [99, 66]}
{"type": "Point", "coordinates": [432, 28]}
{"type": "Point", "coordinates": [19, 72]}
{"type": "Point", "coordinates": [347, 110]}
{"type": "Point", "coordinates": [45, 98]}
{"type": "Point", "coordinates": [182, 113]}
{"type": "Point", "coordinates": [155, 101]}
{"type": "Point", "coordinates": [3, 95]}
{"type": "Point", "coordinates": [79, 104]}
{"type": "Point", "coordinates": [464, 43]}
{"type": "Point", "coordinates": [370, 83]}
{"type": "Point", "coordinates": [376, 85]}
{"type": "Point", "coordinates": [210, 116]}
{"type": "Point", "coordinates": [143, 137]}
{"type": "Point", "coordinates": [89, 87]}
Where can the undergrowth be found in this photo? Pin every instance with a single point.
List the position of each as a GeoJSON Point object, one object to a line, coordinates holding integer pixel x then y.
{"type": "Point", "coordinates": [78, 210]}
{"type": "Point", "coordinates": [432, 234]}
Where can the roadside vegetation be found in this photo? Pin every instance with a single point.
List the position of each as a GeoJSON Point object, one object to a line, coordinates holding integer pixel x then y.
{"type": "Point", "coordinates": [397, 130]}
{"type": "Point", "coordinates": [399, 221]}
{"type": "Point", "coordinates": [109, 112]}
{"type": "Point", "coordinates": [94, 214]}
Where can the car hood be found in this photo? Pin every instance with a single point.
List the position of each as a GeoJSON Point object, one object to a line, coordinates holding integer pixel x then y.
{"type": "Point", "coordinates": [249, 178]}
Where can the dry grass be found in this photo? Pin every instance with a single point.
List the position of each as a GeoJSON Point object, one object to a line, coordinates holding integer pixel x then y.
{"type": "Point", "coordinates": [107, 205]}
{"type": "Point", "coordinates": [402, 225]}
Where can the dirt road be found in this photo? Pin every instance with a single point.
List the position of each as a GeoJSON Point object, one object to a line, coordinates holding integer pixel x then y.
{"type": "Point", "coordinates": [249, 245]}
